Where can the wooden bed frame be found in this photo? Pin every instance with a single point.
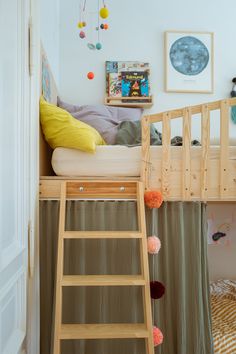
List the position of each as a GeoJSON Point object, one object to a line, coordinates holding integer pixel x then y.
{"type": "Point", "coordinates": [183, 173]}
{"type": "Point", "coordinates": [194, 173]}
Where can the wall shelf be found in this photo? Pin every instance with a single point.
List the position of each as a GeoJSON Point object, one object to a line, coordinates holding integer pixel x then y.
{"type": "Point", "coordinates": [147, 102]}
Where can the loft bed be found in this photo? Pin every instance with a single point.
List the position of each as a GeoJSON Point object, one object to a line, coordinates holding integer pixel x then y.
{"type": "Point", "coordinates": [181, 173]}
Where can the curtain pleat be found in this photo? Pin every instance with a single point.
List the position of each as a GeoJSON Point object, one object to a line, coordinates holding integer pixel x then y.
{"type": "Point", "coordinates": [183, 314]}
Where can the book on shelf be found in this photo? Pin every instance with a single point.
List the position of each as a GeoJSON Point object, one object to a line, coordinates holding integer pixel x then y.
{"type": "Point", "coordinates": [127, 79]}
{"type": "Point", "coordinates": [134, 84]}
{"type": "Point", "coordinates": [114, 87]}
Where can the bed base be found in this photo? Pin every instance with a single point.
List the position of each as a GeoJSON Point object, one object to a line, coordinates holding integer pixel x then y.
{"type": "Point", "coordinates": [50, 188]}
{"type": "Point", "coordinates": [183, 173]}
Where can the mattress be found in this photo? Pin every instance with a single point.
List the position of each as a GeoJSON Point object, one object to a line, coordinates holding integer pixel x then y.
{"type": "Point", "coordinates": [223, 306]}
{"type": "Point", "coordinates": [108, 161]}
{"type": "Point", "coordinates": [118, 161]}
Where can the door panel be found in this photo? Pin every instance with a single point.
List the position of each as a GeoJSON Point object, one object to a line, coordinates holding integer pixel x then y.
{"type": "Point", "coordinates": [14, 122]}
{"type": "Point", "coordinates": [12, 317]}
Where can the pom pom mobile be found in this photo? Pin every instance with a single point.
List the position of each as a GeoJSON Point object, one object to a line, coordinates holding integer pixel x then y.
{"type": "Point", "coordinates": [84, 24]}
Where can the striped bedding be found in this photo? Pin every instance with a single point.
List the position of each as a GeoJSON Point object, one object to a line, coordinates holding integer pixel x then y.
{"type": "Point", "coordinates": [223, 306]}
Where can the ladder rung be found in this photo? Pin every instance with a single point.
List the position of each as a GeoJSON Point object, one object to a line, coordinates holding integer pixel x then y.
{"type": "Point", "coordinates": [102, 234]}
{"type": "Point", "coordinates": [103, 280]}
{"type": "Point", "coordinates": [103, 331]}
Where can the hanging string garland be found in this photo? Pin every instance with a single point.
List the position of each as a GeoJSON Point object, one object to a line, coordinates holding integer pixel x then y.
{"type": "Point", "coordinates": [157, 291]}
{"type": "Point", "coordinates": [101, 13]}
{"type": "Point", "coordinates": [154, 199]}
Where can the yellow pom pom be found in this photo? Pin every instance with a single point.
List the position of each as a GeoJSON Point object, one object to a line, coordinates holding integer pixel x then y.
{"type": "Point", "coordinates": [80, 24]}
{"type": "Point", "coordinates": [104, 13]}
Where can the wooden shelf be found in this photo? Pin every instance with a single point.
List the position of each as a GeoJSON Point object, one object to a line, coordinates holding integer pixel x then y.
{"type": "Point", "coordinates": [119, 101]}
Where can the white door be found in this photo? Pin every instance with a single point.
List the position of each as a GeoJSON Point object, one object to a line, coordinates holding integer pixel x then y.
{"type": "Point", "coordinates": [14, 172]}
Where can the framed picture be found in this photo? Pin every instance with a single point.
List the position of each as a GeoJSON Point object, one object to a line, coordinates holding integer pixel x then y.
{"type": "Point", "coordinates": [189, 62]}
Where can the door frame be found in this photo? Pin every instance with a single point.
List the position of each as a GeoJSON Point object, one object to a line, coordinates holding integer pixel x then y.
{"type": "Point", "coordinates": [33, 298]}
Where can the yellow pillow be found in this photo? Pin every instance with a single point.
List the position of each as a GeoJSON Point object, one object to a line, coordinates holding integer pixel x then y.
{"type": "Point", "coordinates": [62, 130]}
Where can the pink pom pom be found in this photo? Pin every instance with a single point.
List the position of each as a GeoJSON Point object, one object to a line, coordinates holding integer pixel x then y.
{"type": "Point", "coordinates": [154, 244]}
{"type": "Point", "coordinates": [157, 336]}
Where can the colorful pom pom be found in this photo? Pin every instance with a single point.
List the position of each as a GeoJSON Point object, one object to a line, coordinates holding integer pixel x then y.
{"type": "Point", "coordinates": [80, 24]}
{"type": "Point", "coordinates": [102, 26]}
{"type": "Point", "coordinates": [98, 46]}
{"type": "Point", "coordinates": [154, 244]}
{"type": "Point", "coordinates": [157, 336]}
{"type": "Point", "coordinates": [157, 289]}
{"type": "Point", "coordinates": [90, 75]}
{"type": "Point", "coordinates": [84, 24]}
{"type": "Point", "coordinates": [91, 46]}
{"type": "Point", "coordinates": [106, 26]}
{"type": "Point", "coordinates": [82, 34]}
{"type": "Point", "coordinates": [104, 13]}
{"type": "Point", "coordinates": [153, 199]}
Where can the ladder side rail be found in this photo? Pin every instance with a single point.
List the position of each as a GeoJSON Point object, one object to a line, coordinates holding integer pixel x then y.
{"type": "Point", "coordinates": [59, 272]}
{"type": "Point", "coordinates": [146, 295]}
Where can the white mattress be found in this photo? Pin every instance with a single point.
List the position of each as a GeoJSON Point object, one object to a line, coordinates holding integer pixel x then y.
{"type": "Point", "coordinates": [108, 161]}
{"type": "Point", "coordinates": [117, 160]}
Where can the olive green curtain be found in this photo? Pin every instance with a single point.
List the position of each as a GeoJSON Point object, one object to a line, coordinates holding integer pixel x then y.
{"type": "Point", "coordinates": [183, 314]}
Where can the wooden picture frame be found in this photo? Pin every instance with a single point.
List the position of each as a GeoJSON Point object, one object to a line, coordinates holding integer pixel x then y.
{"type": "Point", "coordinates": [189, 62]}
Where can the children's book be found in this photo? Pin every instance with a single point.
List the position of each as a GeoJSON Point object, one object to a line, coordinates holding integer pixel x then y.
{"type": "Point", "coordinates": [114, 86]}
{"type": "Point", "coordinates": [127, 79]}
{"type": "Point", "coordinates": [134, 84]}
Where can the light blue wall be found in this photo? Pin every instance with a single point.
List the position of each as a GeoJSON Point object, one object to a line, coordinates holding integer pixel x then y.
{"type": "Point", "coordinates": [136, 33]}
{"type": "Point", "coordinates": [50, 33]}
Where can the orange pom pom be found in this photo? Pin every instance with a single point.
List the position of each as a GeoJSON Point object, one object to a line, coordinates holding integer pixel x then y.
{"type": "Point", "coordinates": [90, 75]}
{"type": "Point", "coordinates": [153, 199]}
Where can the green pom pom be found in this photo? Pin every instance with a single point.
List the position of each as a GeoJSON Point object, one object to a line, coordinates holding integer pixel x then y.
{"type": "Point", "coordinates": [98, 46]}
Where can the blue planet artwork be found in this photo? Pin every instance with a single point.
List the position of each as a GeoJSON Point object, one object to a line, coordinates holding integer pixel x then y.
{"type": "Point", "coordinates": [189, 56]}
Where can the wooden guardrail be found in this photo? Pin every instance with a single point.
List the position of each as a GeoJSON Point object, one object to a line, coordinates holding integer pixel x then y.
{"type": "Point", "coordinates": [221, 166]}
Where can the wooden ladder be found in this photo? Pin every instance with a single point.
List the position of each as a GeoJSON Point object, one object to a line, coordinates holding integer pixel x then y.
{"type": "Point", "coordinates": [111, 190]}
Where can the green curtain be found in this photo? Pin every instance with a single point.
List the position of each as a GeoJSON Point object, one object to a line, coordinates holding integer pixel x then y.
{"type": "Point", "coordinates": [183, 314]}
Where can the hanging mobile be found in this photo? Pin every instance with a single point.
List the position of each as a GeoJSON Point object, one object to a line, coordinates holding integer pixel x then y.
{"type": "Point", "coordinates": [81, 24]}
{"type": "Point", "coordinates": [101, 12]}
{"type": "Point", "coordinates": [98, 44]}
{"type": "Point", "coordinates": [104, 13]}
